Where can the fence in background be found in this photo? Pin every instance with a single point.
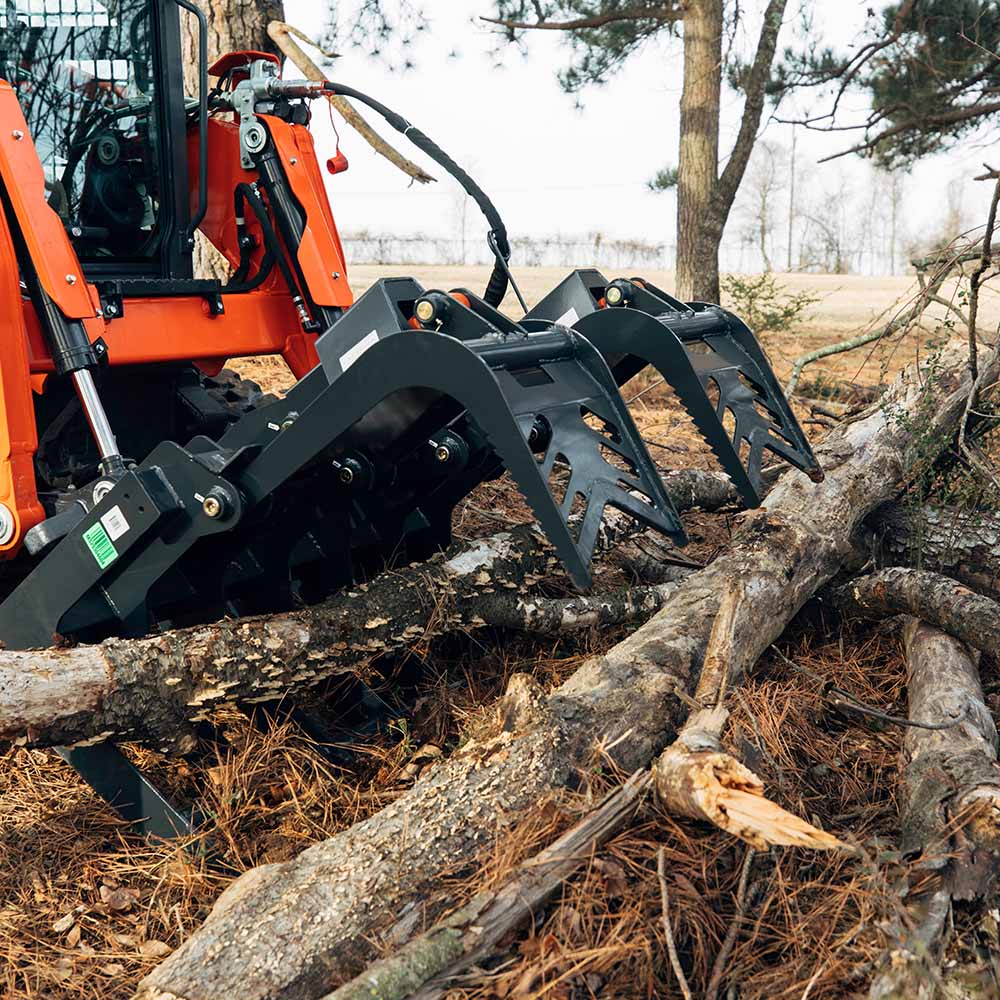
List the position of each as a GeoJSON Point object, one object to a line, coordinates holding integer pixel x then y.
{"type": "Point", "coordinates": [620, 255]}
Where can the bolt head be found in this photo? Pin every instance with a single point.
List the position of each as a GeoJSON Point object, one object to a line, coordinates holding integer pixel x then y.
{"type": "Point", "coordinates": [346, 476]}
{"type": "Point", "coordinates": [70, 279]}
{"type": "Point", "coordinates": [443, 453]}
{"type": "Point", "coordinates": [102, 489]}
{"type": "Point", "coordinates": [8, 525]}
{"type": "Point", "coordinates": [614, 296]}
{"type": "Point", "coordinates": [424, 311]}
{"type": "Point", "coordinates": [212, 506]}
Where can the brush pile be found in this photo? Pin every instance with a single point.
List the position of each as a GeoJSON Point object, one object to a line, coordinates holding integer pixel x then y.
{"type": "Point", "coordinates": [768, 769]}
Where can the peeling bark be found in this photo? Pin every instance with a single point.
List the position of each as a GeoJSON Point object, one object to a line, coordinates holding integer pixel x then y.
{"type": "Point", "coordinates": [297, 929]}
{"type": "Point", "coordinates": [951, 807]}
{"type": "Point", "coordinates": [154, 688]}
{"type": "Point", "coordinates": [935, 599]}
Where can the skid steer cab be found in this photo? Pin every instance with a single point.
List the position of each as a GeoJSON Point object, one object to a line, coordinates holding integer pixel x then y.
{"type": "Point", "coordinates": [145, 487]}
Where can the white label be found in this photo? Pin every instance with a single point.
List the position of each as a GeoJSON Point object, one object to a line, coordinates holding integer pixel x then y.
{"type": "Point", "coordinates": [349, 357]}
{"type": "Point", "coordinates": [114, 523]}
{"type": "Point", "coordinates": [568, 318]}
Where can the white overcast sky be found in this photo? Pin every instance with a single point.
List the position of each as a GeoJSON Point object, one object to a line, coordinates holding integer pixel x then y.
{"type": "Point", "coordinates": [554, 169]}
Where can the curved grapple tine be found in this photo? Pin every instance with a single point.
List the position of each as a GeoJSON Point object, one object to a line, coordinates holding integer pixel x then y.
{"type": "Point", "coordinates": [631, 340]}
{"type": "Point", "coordinates": [701, 351]}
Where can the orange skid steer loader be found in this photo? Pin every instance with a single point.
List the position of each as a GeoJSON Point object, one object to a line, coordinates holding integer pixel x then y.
{"type": "Point", "coordinates": [145, 487]}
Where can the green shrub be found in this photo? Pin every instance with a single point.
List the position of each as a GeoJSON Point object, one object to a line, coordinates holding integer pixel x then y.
{"type": "Point", "coordinates": [764, 305]}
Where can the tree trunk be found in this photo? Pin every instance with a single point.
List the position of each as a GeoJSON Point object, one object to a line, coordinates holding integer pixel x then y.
{"type": "Point", "coordinates": [698, 162]}
{"type": "Point", "coordinates": [296, 929]}
{"type": "Point", "coordinates": [155, 689]}
{"type": "Point", "coordinates": [705, 199]}
{"type": "Point", "coordinates": [232, 25]}
{"type": "Point", "coordinates": [951, 805]}
{"type": "Point", "coordinates": [471, 934]}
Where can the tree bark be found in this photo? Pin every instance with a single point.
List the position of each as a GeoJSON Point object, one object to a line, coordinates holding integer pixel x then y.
{"type": "Point", "coordinates": [698, 161]}
{"type": "Point", "coordinates": [965, 544]}
{"type": "Point", "coordinates": [951, 807]}
{"type": "Point", "coordinates": [297, 929]}
{"type": "Point", "coordinates": [232, 25]}
{"type": "Point", "coordinates": [935, 599]}
{"type": "Point", "coordinates": [155, 689]}
{"type": "Point", "coordinates": [755, 88]}
{"type": "Point", "coordinates": [704, 198]}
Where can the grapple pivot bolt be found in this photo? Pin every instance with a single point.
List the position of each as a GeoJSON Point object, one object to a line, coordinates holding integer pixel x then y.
{"type": "Point", "coordinates": [217, 504]}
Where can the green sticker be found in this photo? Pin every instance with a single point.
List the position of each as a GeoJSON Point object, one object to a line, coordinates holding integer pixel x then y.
{"type": "Point", "coordinates": [101, 547]}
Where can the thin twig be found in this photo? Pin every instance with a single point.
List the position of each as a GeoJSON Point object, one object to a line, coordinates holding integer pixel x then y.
{"type": "Point", "coordinates": [283, 35]}
{"type": "Point", "coordinates": [977, 276]}
{"type": "Point", "coordinates": [675, 962]}
{"type": "Point", "coordinates": [719, 969]}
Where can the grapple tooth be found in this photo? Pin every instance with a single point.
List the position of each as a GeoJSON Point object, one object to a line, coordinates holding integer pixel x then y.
{"type": "Point", "coordinates": [697, 348]}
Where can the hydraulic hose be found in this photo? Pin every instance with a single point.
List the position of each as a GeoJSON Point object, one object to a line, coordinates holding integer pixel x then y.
{"type": "Point", "coordinates": [239, 284]}
{"type": "Point", "coordinates": [272, 242]}
{"type": "Point", "coordinates": [498, 283]}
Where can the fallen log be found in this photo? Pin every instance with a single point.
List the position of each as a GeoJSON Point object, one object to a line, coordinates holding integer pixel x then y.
{"type": "Point", "coordinates": [689, 779]}
{"type": "Point", "coordinates": [472, 933]}
{"type": "Point", "coordinates": [931, 597]}
{"type": "Point", "coordinates": [951, 808]}
{"type": "Point", "coordinates": [155, 689]}
{"type": "Point", "coordinates": [964, 544]}
{"type": "Point", "coordinates": [299, 928]}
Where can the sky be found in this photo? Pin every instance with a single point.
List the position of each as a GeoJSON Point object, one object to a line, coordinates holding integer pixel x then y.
{"type": "Point", "coordinates": [553, 168]}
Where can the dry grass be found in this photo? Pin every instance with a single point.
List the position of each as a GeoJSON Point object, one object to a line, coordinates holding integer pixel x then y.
{"type": "Point", "coordinates": [86, 908]}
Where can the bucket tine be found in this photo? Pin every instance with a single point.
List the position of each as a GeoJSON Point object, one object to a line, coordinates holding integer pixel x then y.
{"type": "Point", "coordinates": [706, 354]}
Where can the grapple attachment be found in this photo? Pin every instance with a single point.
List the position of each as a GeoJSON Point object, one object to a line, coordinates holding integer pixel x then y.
{"type": "Point", "coordinates": [419, 398]}
{"type": "Point", "coordinates": [706, 354]}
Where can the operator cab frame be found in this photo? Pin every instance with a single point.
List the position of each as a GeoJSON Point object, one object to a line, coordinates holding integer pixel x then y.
{"type": "Point", "coordinates": [109, 120]}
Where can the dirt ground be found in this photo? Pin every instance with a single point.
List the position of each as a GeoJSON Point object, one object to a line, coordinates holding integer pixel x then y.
{"type": "Point", "coordinates": [86, 908]}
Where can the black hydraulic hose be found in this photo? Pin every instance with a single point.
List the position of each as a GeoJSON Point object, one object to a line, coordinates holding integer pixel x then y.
{"type": "Point", "coordinates": [239, 284]}
{"type": "Point", "coordinates": [271, 239]}
{"type": "Point", "coordinates": [497, 287]}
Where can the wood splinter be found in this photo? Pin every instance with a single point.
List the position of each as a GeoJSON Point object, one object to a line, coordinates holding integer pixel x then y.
{"type": "Point", "coordinates": [696, 778]}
